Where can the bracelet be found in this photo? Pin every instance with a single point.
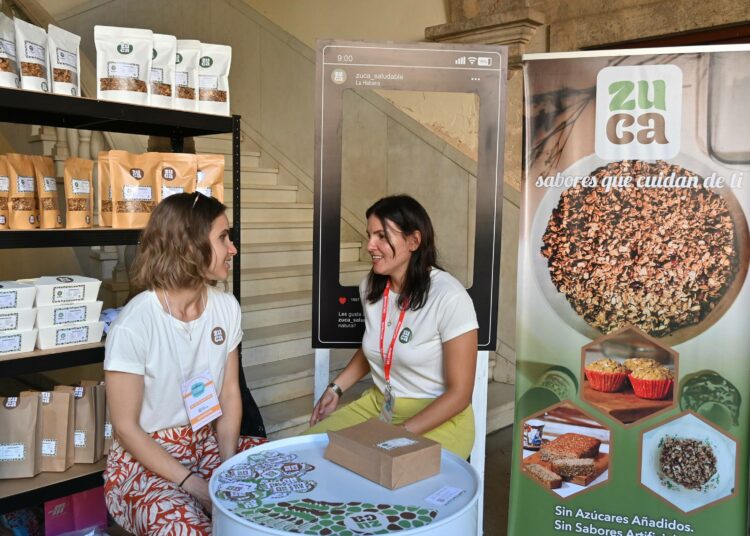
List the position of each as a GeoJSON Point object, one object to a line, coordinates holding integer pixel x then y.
{"type": "Point", "coordinates": [336, 389]}
{"type": "Point", "coordinates": [185, 479]}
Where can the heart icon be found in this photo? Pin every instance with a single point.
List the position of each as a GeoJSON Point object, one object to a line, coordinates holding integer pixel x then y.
{"type": "Point", "coordinates": [342, 300]}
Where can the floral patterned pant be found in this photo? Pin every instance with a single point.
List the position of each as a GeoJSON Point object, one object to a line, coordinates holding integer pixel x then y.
{"type": "Point", "coordinates": [144, 503]}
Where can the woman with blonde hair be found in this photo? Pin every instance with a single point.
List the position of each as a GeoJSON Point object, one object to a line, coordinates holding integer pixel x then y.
{"type": "Point", "coordinates": [171, 369]}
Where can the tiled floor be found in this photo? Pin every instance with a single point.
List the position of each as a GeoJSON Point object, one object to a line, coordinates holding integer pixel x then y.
{"type": "Point", "coordinates": [497, 482]}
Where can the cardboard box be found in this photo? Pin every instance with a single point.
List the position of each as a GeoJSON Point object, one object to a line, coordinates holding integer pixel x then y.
{"type": "Point", "coordinates": [54, 290]}
{"type": "Point", "coordinates": [17, 319]}
{"type": "Point", "coordinates": [60, 315]}
{"type": "Point", "coordinates": [81, 333]}
{"type": "Point", "coordinates": [16, 295]}
{"type": "Point", "coordinates": [383, 453]}
{"type": "Point", "coordinates": [14, 342]}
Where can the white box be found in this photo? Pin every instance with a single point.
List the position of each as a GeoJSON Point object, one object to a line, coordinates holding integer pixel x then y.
{"type": "Point", "coordinates": [16, 295]}
{"type": "Point", "coordinates": [57, 336]}
{"type": "Point", "coordinates": [17, 319]}
{"type": "Point", "coordinates": [70, 313]}
{"type": "Point", "coordinates": [54, 290]}
{"type": "Point", "coordinates": [14, 342]}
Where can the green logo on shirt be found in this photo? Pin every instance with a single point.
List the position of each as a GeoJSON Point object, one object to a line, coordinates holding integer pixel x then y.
{"type": "Point", "coordinates": [405, 336]}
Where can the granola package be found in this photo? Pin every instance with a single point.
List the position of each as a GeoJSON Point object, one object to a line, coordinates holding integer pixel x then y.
{"type": "Point", "coordinates": [104, 190]}
{"type": "Point", "coordinates": [84, 429]}
{"type": "Point", "coordinates": [186, 74]}
{"type": "Point", "coordinates": [46, 187]}
{"type": "Point", "coordinates": [64, 61]}
{"type": "Point", "coordinates": [55, 442]}
{"type": "Point", "coordinates": [31, 52]}
{"type": "Point", "coordinates": [213, 79]}
{"type": "Point", "coordinates": [210, 177]}
{"type": "Point", "coordinates": [123, 64]}
{"type": "Point", "coordinates": [79, 193]}
{"type": "Point", "coordinates": [178, 172]}
{"type": "Point", "coordinates": [8, 62]}
{"type": "Point", "coordinates": [22, 192]}
{"type": "Point", "coordinates": [4, 192]}
{"type": "Point", "coordinates": [162, 70]}
{"type": "Point", "coordinates": [21, 426]}
{"type": "Point", "coordinates": [135, 188]}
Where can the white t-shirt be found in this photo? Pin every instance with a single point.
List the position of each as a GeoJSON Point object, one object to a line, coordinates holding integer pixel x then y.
{"type": "Point", "coordinates": [146, 340]}
{"type": "Point", "coordinates": [417, 368]}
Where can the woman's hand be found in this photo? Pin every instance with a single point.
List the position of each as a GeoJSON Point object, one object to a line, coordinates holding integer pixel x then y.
{"type": "Point", "coordinates": [198, 488]}
{"type": "Point", "coordinates": [325, 406]}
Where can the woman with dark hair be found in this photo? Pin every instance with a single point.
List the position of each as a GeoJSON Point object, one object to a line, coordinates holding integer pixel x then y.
{"type": "Point", "coordinates": [420, 341]}
{"type": "Point", "coordinates": [171, 371]}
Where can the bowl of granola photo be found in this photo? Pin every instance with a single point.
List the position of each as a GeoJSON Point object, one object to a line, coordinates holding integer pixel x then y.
{"type": "Point", "coordinates": [646, 244]}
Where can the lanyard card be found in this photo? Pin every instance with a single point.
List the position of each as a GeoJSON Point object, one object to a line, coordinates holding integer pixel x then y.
{"type": "Point", "coordinates": [200, 399]}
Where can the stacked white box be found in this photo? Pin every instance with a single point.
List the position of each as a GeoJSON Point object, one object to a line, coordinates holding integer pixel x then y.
{"type": "Point", "coordinates": [17, 316]}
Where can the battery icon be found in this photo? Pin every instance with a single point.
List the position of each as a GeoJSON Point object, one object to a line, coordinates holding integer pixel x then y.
{"type": "Point", "coordinates": [483, 61]}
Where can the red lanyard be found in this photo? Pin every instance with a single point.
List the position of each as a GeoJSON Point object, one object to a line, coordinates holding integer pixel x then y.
{"type": "Point", "coordinates": [388, 359]}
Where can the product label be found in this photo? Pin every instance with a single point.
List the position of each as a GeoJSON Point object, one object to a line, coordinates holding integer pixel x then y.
{"type": "Point", "coordinates": [25, 184]}
{"type": "Point", "coordinates": [8, 300]}
{"type": "Point", "coordinates": [10, 343]}
{"type": "Point", "coordinates": [396, 443]}
{"type": "Point", "coordinates": [8, 322]}
{"type": "Point", "coordinates": [200, 175]}
{"type": "Point", "coordinates": [123, 70]}
{"type": "Point", "coordinates": [78, 392]}
{"type": "Point", "coordinates": [107, 430]}
{"type": "Point", "coordinates": [79, 439]}
{"type": "Point", "coordinates": [71, 335]}
{"type": "Point", "coordinates": [12, 452]}
{"type": "Point", "coordinates": [181, 78]}
{"type": "Point", "coordinates": [81, 186]}
{"type": "Point", "coordinates": [49, 447]}
{"type": "Point", "coordinates": [4, 184]}
{"type": "Point", "coordinates": [35, 51]}
{"type": "Point", "coordinates": [166, 191]}
{"type": "Point", "coordinates": [68, 315]}
{"type": "Point", "coordinates": [444, 495]}
{"type": "Point", "coordinates": [66, 294]}
{"type": "Point", "coordinates": [157, 75]}
{"type": "Point", "coordinates": [137, 193]}
{"type": "Point", "coordinates": [8, 48]}
{"type": "Point", "coordinates": [208, 82]}
{"type": "Point", "coordinates": [205, 191]}
{"type": "Point", "coordinates": [65, 57]}
{"type": "Point", "coordinates": [50, 184]}
{"type": "Point", "coordinates": [46, 396]}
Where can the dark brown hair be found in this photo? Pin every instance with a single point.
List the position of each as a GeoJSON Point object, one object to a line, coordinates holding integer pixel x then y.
{"type": "Point", "coordinates": [409, 216]}
{"type": "Point", "coordinates": [174, 249]}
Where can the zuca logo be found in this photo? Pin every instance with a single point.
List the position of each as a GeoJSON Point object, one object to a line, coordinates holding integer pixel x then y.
{"type": "Point", "coordinates": [124, 48]}
{"type": "Point", "coordinates": [638, 112]}
{"type": "Point", "coordinates": [168, 174]}
{"type": "Point", "coordinates": [206, 61]}
{"type": "Point", "coordinates": [179, 58]}
{"type": "Point", "coordinates": [218, 336]}
{"type": "Point", "coordinates": [136, 173]}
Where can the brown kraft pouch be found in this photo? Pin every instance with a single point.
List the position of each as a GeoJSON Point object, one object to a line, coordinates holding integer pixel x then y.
{"type": "Point", "coordinates": [84, 428]}
{"type": "Point", "coordinates": [4, 192]}
{"type": "Point", "coordinates": [104, 190]}
{"type": "Point", "coordinates": [46, 187]}
{"type": "Point", "coordinates": [55, 443]}
{"type": "Point", "coordinates": [135, 188]}
{"type": "Point", "coordinates": [20, 425]}
{"type": "Point", "coordinates": [79, 193]}
{"type": "Point", "coordinates": [101, 404]}
{"type": "Point", "coordinates": [178, 173]}
{"type": "Point", "coordinates": [211, 176]}
{"type": "Point", "coordinates": [22, 202]}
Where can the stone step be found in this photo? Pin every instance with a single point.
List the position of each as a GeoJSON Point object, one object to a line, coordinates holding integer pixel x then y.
{"type": "Point", "coordinates": [248, 159]}
{"type": "Point", "coordinates": [272, 212]}
{"type": "Point", "coordinates": [221, 144]}
{"type": "Point", "coordinates": [286, 379]}
{"type": "Point", "coordinates": [268, 193]}
{"type": "Point", "coordinates": [290, 418]}
{"type": "Point", "coordinates": [261, 281]}
{"type": "Point", "coordinates": [272, 343]}
{"type": "Point", "coordinates": [290, 253]}
{"type": "Point", "coordinates": [275, 309]}
{"type": "Point", "coordinates": [251, 174]}
{"type": "Point", "coordinates": [262, 233]}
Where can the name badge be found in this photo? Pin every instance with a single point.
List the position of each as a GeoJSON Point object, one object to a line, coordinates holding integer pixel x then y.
{"type": "Point", "coordinates": [200, 399]}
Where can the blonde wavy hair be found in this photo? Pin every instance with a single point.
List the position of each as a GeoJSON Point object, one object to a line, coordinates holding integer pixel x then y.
{"type": "Point", "coordinates": [175, 249]}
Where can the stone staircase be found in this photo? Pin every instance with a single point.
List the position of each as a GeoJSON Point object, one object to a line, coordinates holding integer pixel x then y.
{"type": "Point", "coordinates": [276, 296]}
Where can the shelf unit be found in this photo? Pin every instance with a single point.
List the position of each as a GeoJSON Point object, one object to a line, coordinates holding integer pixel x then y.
{"type": "Point", "coordinates": [26, 107]}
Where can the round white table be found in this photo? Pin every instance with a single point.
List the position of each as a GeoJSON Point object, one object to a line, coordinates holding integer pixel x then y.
{"type": "Point", "coordinates": [288, 487]}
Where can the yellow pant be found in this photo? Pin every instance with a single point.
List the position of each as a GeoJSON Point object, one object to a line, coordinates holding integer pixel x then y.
{"type": "Point", "coordinates": [456, 434]}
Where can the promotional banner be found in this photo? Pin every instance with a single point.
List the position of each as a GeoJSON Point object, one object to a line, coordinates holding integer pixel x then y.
{"type": "Point", "coordinates": [633, 368]}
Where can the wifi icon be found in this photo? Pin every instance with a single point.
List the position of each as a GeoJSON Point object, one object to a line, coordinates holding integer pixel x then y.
{"type": "Point", "coordinates": [472, 60]}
